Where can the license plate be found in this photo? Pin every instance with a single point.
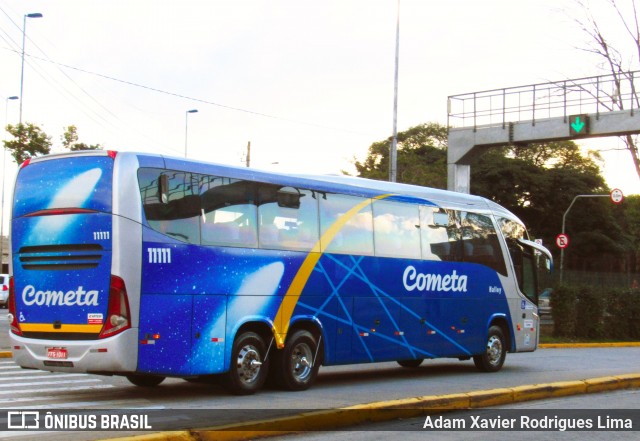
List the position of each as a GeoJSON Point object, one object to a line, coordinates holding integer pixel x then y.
{"type": "Point", "coordinates": [57, 353]}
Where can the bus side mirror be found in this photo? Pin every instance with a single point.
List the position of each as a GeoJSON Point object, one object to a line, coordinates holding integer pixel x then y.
{"type": "Point", "coordinates": [440, 219]}
{"type": "Point", "coordinates": [289, 197]}
{"type": "Point", "coordinates": [163, 188]}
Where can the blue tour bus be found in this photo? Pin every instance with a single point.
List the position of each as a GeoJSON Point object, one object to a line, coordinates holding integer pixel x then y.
{"type": "Point", "coordinates": [150, 267]}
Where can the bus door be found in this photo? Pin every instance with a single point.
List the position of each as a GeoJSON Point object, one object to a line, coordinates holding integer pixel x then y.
{"type": "Point", "coordinates": [532, 265]}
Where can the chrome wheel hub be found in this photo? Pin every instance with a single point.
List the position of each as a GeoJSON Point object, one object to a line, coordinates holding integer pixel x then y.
{"type": "Point", "coordinates": [248, 364]}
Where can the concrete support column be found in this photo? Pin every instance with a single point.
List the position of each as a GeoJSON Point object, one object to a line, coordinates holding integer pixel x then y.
{"type": "Point", "coordinates": [459, 178]}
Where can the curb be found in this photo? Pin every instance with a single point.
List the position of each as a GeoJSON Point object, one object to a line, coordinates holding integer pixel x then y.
{"type": "Point", "coordinates": [628, 344]}
{"type": "Point", "coordinates": [334, 419]}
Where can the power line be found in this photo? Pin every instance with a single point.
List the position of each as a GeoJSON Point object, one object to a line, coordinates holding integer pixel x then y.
{"type": "Point", "coordinates": [199, 100]}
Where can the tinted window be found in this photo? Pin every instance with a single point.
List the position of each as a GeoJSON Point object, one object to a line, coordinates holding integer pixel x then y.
{"type": "Point", "coordinates": [480, 241]}
{"type": "Point", "coordinates": [229, 212]}
{"type": "Point", "coordinates": [396, 229]}
{"type": "Point", "coordinates": [178, 215]}
{"type": "Point", "coordinates": [511, 229]}
{"type": "Point", "coordinates": [440, 234]}
{"type": "Point", "coordinates": [287, 218]}
{"type": "Point", "coordinates": [356, 236]}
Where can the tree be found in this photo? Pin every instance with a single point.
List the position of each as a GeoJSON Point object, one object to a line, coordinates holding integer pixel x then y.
{"type": "Point", "coordinates": [616, 58]}
{"type": "Point", "coordinates": [421, 160]}
{"type": "Point", "coordinates": [29, 140]}
{"type": "Point", "coordinates": [70, 141]}
{"type": "Point", "coordinates": [630, 221]}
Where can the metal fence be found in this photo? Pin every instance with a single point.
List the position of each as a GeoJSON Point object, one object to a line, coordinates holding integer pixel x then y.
{"type": "Point", "coordinates": [604, 93]}
{"type": "Point", "coordinates": [599, 279]}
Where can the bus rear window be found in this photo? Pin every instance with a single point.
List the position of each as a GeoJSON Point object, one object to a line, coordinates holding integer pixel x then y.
{"type": "Point", "coordinates": [71, 182]}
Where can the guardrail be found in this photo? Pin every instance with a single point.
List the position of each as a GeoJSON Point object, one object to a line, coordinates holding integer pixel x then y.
{"type": "Point", "coordinates": [603, 93]}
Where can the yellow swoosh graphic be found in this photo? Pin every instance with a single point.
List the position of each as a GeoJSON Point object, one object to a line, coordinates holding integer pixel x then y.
{"type": "Point", "coordinates": [290, 300]}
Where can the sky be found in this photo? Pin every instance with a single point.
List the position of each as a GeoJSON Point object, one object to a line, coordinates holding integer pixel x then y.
{"type": "Point", "coordinates": [310, 84]}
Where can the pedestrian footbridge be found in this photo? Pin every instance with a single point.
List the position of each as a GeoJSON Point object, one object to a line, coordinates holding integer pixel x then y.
{"type": "Point", "coordinates": [599, 106]}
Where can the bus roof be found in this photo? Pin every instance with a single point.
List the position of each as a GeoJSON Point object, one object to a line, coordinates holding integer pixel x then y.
{"type": "Point", "coordinates": [330, 183]}
{"type": "Point", "coordinates": [345, 184]}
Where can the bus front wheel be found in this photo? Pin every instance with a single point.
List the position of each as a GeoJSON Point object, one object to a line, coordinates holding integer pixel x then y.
{"type": "Point", "coordinates": [492, 359]}
{"type": "Point", "coordinates": [249, 364]}
{"type": "Point", "coordinates": [298, 363]}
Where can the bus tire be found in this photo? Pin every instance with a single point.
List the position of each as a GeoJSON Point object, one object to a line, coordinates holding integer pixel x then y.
{"type": "Point", "coordinates": [492, 359]}
{"type": "Point", "coordinates": [414, 363]}
{"type": "Point", "coordinates": [296, 369]}
{"type": "Point", "coordinates": [249, 365]}
{"type": "Point", "coordinates": [145, 380]}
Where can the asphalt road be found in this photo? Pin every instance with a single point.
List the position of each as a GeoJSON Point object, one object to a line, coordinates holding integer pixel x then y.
{"type": "Point", "coordinates": [337, 386]}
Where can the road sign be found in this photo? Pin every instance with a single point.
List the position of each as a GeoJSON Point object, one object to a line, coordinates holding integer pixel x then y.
{"type": "Point", "coordinates": [579, 125]}
{"type": "Point", "coordinates": [616, 196]}
{"type": "Point", "coordinates": [562, 240]}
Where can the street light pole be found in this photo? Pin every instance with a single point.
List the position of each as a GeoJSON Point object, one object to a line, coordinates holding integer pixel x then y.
{"type": "Point", "coordinates": [4, 161]}
{"type": "Point", "coordinates": [186, 128]}
{"type": "Point", "coordinates": [564, 217]}
{"type": "Point", "coordinates": [393, 151]}
{"type": "Point", "coordinates": [24, 34]}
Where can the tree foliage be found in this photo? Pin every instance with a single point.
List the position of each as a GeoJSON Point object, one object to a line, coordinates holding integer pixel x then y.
{"type": "Point", "coordinates": [70, 141]}
{"type": "Point", "coordinates": [29, 140]}
{"type": "Point", "coordinates": [421, 160]}
{"type": "Point", "coordinates": [538, 183]}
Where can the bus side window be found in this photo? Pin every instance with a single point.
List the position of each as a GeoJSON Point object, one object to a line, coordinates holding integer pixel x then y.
{"type": "Point", "coordinates": [439, 234]}
{"type": "Point", "coordinates": [356, 235]}
{"type": "Point", "coordinates": [396, 229]}
{"type": "Point", "coordinates": [287, 218]}
{"type": "Point", "coordinates": [229, 212]}
{"type": "Point", "coordinates": [481, 243]}
{"type": "Point", "coordinates": [175, 212]}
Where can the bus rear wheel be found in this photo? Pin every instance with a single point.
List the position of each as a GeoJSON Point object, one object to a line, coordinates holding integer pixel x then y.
{"type": "Point", "coordinates": [249, 365]}
{"type": "Point", "coordinates": [492, 359]}
{"type": "Point", "coordinates": [298, 363]}
{"type": "Point", "coordinates": [145, 380]}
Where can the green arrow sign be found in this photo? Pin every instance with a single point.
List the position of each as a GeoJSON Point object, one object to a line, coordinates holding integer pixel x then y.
{"type": "Point", "coordinates": [578, 125]}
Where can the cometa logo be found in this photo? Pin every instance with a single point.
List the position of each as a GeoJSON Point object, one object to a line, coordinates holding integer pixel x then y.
{"type": "Point", "coordinates": [413, 280]}
{"type": "Point", "coordinates": [79, 297]}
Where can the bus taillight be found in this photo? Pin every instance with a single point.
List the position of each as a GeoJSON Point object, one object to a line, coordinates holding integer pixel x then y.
{"type": "Point", "coordinates": [118, 317]}
{"type": "Point", "coordinates": [13, 319]}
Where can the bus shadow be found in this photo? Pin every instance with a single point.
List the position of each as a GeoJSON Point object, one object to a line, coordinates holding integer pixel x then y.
{"type": "Point", "coordinates": [364, 374]}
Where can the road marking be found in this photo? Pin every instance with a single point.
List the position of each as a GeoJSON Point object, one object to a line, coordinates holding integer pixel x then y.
{"type": "Point", "coordinates": [41, 383]}
{"type": "Point", "coordinates": [35, 374]}
{"type": "Point", "coordinates": [57, 389]}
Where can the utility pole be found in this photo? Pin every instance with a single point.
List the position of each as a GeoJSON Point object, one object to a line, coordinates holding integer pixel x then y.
{"type": "Point", "coordinates": [393, 151]}
{"type": "Point", "coordinates": [249, 154]}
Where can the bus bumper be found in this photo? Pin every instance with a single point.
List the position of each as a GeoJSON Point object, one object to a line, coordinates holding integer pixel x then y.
{"type": "Point", "coordinates": [117, 354]}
